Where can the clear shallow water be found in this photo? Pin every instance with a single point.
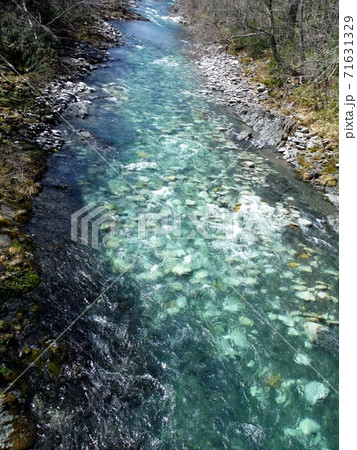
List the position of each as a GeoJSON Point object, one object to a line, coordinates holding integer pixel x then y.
{"type": "Point", "coordinates": [213, 351]}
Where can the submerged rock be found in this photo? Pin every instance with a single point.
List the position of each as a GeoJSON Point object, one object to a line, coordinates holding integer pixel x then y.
{"type": "Point", "coordinates": [315, 391]}
{"type": "Point", "coordinates": [305, 223]}
{"type": "Point", "coordinates": [246, 321]}
{"type": "Point", "coordinates": [322, 295]}
{"type": "Point", "coordinates": [306, 295]}
{"type": "Point", "coordinates": [181, 269]}
{"type": "Point", "coordinates": [233, 305]}
{"type": "Point", "coordinates": [181, 301]}
{"type": "Point", "coordinates": [302, 358]}
{"type": "Point", "coordinates": [309, 426]}
{"type": "Point", "coordinates": [237, 337]}
{"type": "Point", "coordinates": [141, 166]}
{"type": "Point", "coordinates": [312, 329]}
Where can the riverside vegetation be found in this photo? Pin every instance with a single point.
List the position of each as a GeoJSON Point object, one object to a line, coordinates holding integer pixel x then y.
{"type": "Point", "coordinates": [43, 46]}
{"type": "Point", "coordinates": [288, 50]}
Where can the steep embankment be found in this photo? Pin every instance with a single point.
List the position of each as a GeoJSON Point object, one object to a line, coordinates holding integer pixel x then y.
{"type": "Point", "coordinates": [313, 158]}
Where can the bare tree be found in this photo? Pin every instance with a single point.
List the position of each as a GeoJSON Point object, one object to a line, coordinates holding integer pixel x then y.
{"type": "Point", "coordinates": [302, 35]}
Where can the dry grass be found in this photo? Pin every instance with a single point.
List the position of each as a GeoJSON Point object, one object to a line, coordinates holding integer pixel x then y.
{"type": "Point", "coordinates": [312, 104]}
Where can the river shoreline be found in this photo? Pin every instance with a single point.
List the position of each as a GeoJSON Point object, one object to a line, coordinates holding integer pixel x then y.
{"type": "Point", "coordinates": [313, 158]}
{"type": "Point", "coordinates": [302, 148]}
{"type": "Point", "coordinates": [30, 111]}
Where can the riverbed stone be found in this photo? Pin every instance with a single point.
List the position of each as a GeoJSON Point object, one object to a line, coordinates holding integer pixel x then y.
{"type": "Point", "coordinates": [302, 358]}
{"type": "Point", "coordinates": [5, 241]}
{"type": "Point", "coordinates": [305, 223]}
{"type": "Point", "coordinates": [237, 337]}
{"type": "Point", "coordinates": [308, 426]}
{"type": "Point", "coordinates": [181, 269]}
{"type": "Point", "coordinates": [306, 295]}
{"type": "Point", "coordinates": [315, 391]}
{"type": "Point", "coordinates": [312, 330]}
{"type": "Point", "coordinates": [322, 295]}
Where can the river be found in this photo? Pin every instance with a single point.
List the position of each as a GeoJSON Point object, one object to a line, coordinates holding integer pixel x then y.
{"type": "Point", "coordinates": [206, 336]}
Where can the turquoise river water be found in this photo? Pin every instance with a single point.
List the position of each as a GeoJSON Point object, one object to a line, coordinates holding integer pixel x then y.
{"type": "Point", "coordinates": [219, 347]}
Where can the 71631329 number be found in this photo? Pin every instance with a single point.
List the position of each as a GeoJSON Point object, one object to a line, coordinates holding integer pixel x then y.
{"type": "Point", "coordinates": [348, 47]}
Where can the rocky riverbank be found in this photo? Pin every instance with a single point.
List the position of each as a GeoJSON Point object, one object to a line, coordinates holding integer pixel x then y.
{"type": "Point", "coordinates": [30, 107]}
{"type": "Point", "coordinates": [314, 159]}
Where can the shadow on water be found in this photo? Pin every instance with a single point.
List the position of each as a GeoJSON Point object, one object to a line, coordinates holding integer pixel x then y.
{"type": "Point", "coordinates": [85, 401]}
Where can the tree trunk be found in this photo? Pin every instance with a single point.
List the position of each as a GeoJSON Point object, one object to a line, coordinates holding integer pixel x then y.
{"type": "Point", "coordinates": [272, 39]}
{"type": "Point", "coordinates": [292, 16]}
{"type": "Point", "coordinates": [28, 16]}
{"type": "Point", "coordinates": [302, 38]}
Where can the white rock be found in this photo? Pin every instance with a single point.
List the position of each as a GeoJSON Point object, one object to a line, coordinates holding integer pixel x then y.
{"type": "Point", "coordinates": [237, 337]}
{"type": "Point", "coordinates": [287, 320]}
{"type": "Point", "coordinates": [141, 166]}
{"type": "Point", "coordinates": [173, 310]}
{"type": "Point", "coordinates": [306, 295]}
{"type": "Point", "coordinates": [246, 321]}
{"type": "Point", "coordinates": [309, 426]}
{"type": "Point", "coordinates": [322, 295]}
{"type": "Point", "coordinates": [187, 259]}
{"type": "Point", "coordinates": [181, 301]}
{"type": "Point", "coordinates": [250, 281]}
{"type": "Point", "coordinates": [315, 391]}
{"type": "Point", "coordinates": [299, 287]}
{"type": "Point", "coordinates": [180, 269]}
{"type": "Point", "coordinates": [305, 223]}
{"type": "Point", "coordinates": [293, 332]}
{"type": "Point", "coordinates": [303, 359]}
{"type": "Point", "coordinates": [306, 269]}
{"type": "Point", "coordinates": [201, 274]}
{"type": "Point", "coordinates": [312, 329]}
{"type": "Point", "coordinates": [232, 305]}
{"type": "Point", "coordinates": [281, 397]}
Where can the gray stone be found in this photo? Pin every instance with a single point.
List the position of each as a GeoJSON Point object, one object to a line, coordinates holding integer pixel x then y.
{"type": "Point", "coordinates": [5, 241]}
{"type": "Point", "coordinates": [305, 223]}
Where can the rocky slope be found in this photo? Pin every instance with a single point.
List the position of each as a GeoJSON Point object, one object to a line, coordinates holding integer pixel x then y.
{"type": "Point", "coordinates": [313, 158]}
